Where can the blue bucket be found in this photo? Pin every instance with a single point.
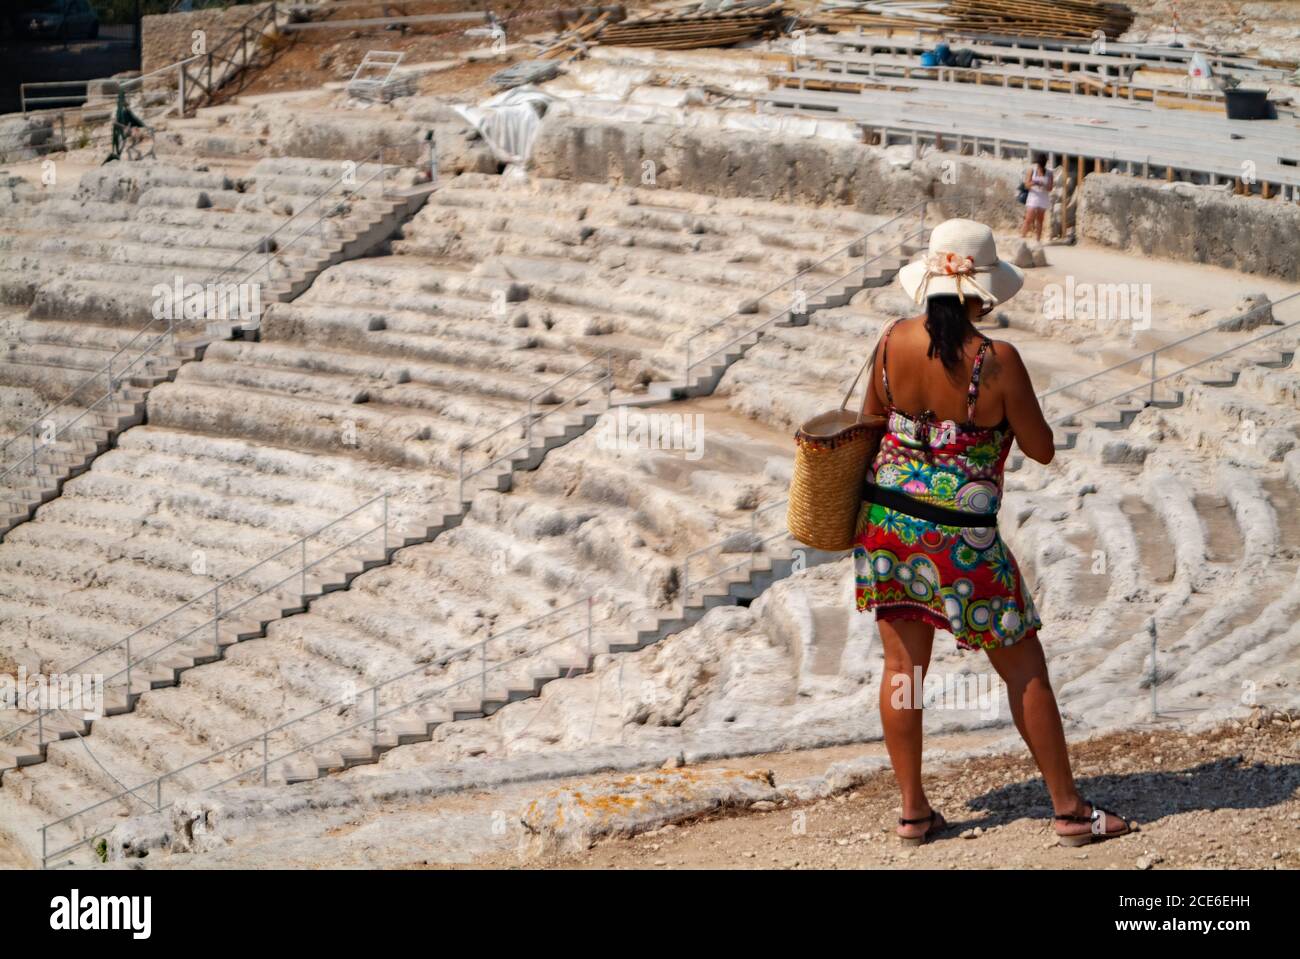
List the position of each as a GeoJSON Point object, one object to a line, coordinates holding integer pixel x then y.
{"type": "Point", "coordinates": [929, 59]}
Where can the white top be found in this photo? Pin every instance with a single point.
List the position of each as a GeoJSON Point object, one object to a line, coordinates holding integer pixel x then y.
{"type": "Point", "coordinates": [1040, 190]}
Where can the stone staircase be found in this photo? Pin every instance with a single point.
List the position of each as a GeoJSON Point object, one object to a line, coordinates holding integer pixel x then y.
{"type": "Point", "coordinates": [378, 378]}
{"type": "Point", "coordinates": [170, 224]}
{"type": "Point", "coordinates": [306, 663]}
{"type": "Point", "coordinates": [166, 668]}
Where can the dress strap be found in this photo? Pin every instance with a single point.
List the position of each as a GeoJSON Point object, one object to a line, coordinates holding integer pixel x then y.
{"type": "Point", "coordinates": [973, 393]}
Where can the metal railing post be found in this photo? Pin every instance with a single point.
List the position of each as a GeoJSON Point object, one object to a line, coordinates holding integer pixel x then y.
{"type": "Point", "coordinates": [374, 714]}
{"type": "Point", "coordinates": [1155, 675]}
{"type": "Point", "coordinates": [590, 601]}
{"type": "Point", "coordinates": [180, 91]}
{"type": "Point", "coordinates": [40, 727]}
{"type": "Point", "coordinates": [128, 671]}
{"type": "Point", "coordinates": [385, 526]}
{"type": "Point", "coordinates": [482, 676]}
{"type": "Point", "coordinates": [33, 450]}
{"type": "Point", "coordinates": [45, 849]}
{"type": "Point", "coordinates": [460, 482]}
{"type": "Point", "coordinates": [158, 804]}
{"type": "Point", "coordinates": [216, 615]}
{"type": "Point", "coordinates": [1153, 376]}
{"type": "Point", "coordinates": [266, 757]}
{"type": "Point", "coordinates": [303, 581]}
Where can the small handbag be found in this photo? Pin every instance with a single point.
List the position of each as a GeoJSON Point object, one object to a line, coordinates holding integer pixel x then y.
{"type": "Point", "coordinates": [832, 453]}
{"type": "Point", "coordinates": [1022, 194]}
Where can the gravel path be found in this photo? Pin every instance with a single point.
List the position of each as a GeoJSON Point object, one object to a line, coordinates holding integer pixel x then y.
{"type": "Point", "coordinates": [1229, 798]}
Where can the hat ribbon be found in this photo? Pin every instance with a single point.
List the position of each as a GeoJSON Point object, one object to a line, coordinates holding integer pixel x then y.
{"type": "Point", "coordinates": [961, 268]}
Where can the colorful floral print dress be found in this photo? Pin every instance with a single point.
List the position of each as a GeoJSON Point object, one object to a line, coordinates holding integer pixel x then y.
{"type": "Point", "coordinates": [960, 579]}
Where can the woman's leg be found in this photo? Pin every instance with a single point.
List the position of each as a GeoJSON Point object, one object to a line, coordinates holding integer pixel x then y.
{"type": "Point", "coordinates": [1028, 223]}
{"type": "Point", "coordinates": [907, 646]}
{"type": "Point", "coordinates": [1039, 215]}
{"type": "Point", "coordinates": [1023, 668]}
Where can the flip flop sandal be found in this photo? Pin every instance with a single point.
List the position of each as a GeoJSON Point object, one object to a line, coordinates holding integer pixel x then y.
{"type": "Point", "coordinates": [1097, 820]}
{"type": "Point", "coordinates": [938, 824]}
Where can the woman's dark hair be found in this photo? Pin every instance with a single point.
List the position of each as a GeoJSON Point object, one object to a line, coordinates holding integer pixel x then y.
{"type": "Point", "coordinates": [946, 321]}
{"type": "Point", "coordinates": [1040, 160]}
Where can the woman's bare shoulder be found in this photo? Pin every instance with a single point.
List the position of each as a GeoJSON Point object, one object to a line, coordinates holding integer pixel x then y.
{"type": "Point", "coordinates": [1002, 357]}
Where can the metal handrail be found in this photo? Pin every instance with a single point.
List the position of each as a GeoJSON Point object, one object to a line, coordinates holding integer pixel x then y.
{"type": "Point", "coordinates": [754, 548]}
{"type": "Point", "coordinates": [109, 394]}
{"type": "Point", "coordinates": [372, 721]}
{"type": "Point", "coordinates": [691, 363]}
{"type": "Point", "coordinates": [532, 417]}
{"type": "Point", "coordinates": [219, 613]}
{"type": "Point", "coordinates": [1217, 327]}
{"type": "Point", "coordinates": [261, 246]}
{"type": "Point", "coordinates": [376, 714]}
{"type": "Point", "coordinates": [269, 14]}
{"type": "Point", "coordinates": [1062, 420]}
{"type": "Point", "coordinates": [784, 283]}
{"type": "Point", "coordinates": [382, 172]}
{"type": "Point", "coordinates": [106, 369]}
{"type": "Point", "coordinates": [915, 234]}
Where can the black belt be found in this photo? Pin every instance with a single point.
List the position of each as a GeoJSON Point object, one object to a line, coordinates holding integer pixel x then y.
{"type": "Point", "coordinates": [941, 515]}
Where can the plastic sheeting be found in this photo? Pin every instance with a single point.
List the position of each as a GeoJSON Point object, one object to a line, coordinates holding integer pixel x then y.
{"type": "Point", "coordinates": [509, 121]}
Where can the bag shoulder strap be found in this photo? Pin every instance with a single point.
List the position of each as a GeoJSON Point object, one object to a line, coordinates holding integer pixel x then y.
{"type": "Point", "coordinates": [884, 335]}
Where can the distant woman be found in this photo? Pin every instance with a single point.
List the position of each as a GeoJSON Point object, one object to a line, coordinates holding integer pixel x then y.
{"type": "Point", "coordinates": [928, 553]}
{"type": "Point", "coordinates": [1038, 181]}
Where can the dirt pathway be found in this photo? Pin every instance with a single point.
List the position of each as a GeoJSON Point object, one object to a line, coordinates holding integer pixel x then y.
{"type": "Point", "coordinates": [1226, 799]}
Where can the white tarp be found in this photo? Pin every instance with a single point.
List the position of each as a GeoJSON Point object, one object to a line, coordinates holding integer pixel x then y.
{"type": "Point", "coordinates": [509, 121]}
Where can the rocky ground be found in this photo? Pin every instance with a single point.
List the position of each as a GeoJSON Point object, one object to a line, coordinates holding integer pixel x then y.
{"type": "Point", "coordinates": [1265, 30]}
{"type": "Point", "coordinates": [1228, 799]}
{"type": "Point", "coordinates": [1222, 797]}
{"type": "Point", "coordinates": [316, 57]}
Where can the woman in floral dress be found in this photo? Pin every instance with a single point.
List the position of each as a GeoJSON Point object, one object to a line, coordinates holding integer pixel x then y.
{"type": "Point", "coordinates": [928, 552]}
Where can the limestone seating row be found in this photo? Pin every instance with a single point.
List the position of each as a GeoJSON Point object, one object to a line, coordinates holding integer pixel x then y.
{"type": "Point", "coordinates": [1205, 554]}
{"type": "Point", "coordinates": [179, 511]}
{"type": "Point", "coordinates": [1196, 533]}
{"type": "Point", "coordinates": [404, 423]}
{"type": "Point", "coordinates": [378, 280]}
{"type": "Point", "coordinates": [798, 372]}
{"type": "Point", "coordinates": [593, 520]}
{"type": "Point", "coordinates": [44, 262]}
{"type": "Point", "coordinates": [130, 254]}
{"type": "Point", "coordinates": [639, 262]}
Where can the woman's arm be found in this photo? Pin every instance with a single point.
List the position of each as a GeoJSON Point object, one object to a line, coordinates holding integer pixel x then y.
{"type": "Point", "coordinates": [1033, 435]}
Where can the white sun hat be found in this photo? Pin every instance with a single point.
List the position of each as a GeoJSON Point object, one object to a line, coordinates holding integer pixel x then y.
{"type": "Point", "coordinates": [963, 261]}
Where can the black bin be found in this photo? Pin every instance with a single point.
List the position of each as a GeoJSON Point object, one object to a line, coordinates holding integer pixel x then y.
{"type": "Point", "coordinates": [1246, 104]}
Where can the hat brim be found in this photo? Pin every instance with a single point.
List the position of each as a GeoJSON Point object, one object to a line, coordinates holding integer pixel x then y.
{"type": "Point", "coordinates": [1003, 281]}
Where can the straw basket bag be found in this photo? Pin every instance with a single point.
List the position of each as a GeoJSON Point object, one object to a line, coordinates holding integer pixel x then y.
{"type": "Point", "coordinates": [831, 457]}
